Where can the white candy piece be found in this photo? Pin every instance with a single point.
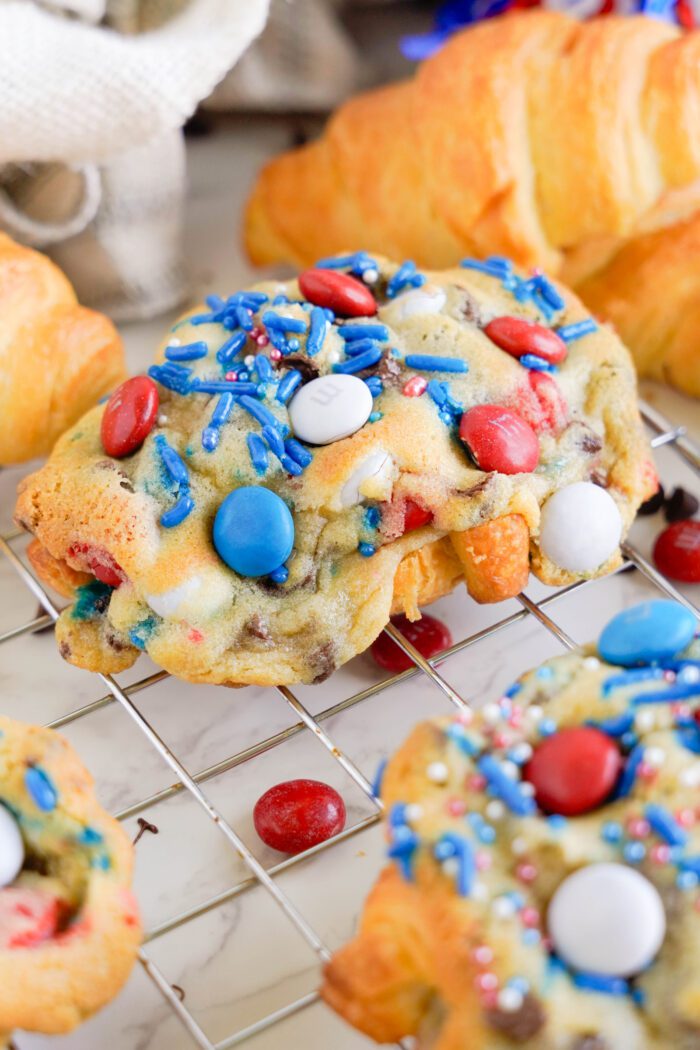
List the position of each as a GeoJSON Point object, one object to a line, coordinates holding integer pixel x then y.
{"type": "Point", "coordinates": [11, 848]}
{"type": "Point", "coordinates": [168, 603]}
{"type": "Point", "coordinates": [429, 299]}
{"type": "Point", "coordinates": [607, 919]}
{"type": "Point", "coordinates": [330, 408]}
{"type": "Point", "coordinates": [371, 480]}
{"type": "Point", "coordinates": [580, 527]}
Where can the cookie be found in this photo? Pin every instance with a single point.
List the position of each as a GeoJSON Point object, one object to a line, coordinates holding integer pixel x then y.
{"type": "Point", "coordinates": [309, 456]}
{"type": "Point", "coordinates": [69, 925]}
{"type": "Point", "coordinates": [543, 890]}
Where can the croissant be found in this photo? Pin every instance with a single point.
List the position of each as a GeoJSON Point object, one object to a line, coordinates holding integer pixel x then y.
{"type": "Point", "coordinates": [568, 145]}
{"type": "Point", "coordinates": [57, 358]}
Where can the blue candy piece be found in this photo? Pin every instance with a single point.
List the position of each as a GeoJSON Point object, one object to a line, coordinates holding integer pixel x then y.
{"type": "Point", "coordinates": [253, 531]}
{"type": "Point", "coordinates": [647, 633]}
{"type": "Point", "coordinates": [41, 788]}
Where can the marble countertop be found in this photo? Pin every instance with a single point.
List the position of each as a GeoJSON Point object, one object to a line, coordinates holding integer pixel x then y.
{"type": "Point", "coordinates": [243, 959]}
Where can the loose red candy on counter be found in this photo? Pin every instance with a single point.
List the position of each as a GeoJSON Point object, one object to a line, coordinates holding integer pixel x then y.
{"type": "Point", "coordinates": [428, 635]}
{"type": "Point", "coordinates": [27, 917]}
{"type": "Point", "coordinates": [415, 516]}
{"type": "Point", "coordinates": [129, 416]}
{"type": "Point", "coordinates": [573, 771]}
{"type": "Point", "coordinates": [298, 814]}
{"type": "Point", "coordinates": [499, 440]}
{"type": "Point", "coordinates": [677, 551]}
{"type": "Point", "coordinates": [518, 337]}
{"type": "Point", "coordinates": [339, 292]}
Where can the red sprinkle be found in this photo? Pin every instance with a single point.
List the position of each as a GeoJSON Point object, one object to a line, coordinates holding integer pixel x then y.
{"type": "Point", "coordinates": [677, 551]}
{"type": "Point", "coordinates": [517, 337]}
{"type": "Point", "coordinates": [415, 386]}
{"type": "Point", "coordinates": [573, 771]}
{"type": "Point", "coordinates": [428, 635]}
{"type": "Point", "coordinates": [298, 814]}
{"type": "Point", "coordinates": [499, 440]}
{"type": "Point", "coordinates": [415, 516]}
{"type": "Point", "coordinates": [339, 292]}
{"type": "Point", "coordinates": [129, 416]}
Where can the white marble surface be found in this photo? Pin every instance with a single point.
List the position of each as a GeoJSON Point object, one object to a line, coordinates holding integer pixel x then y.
{"type": "Point", "coordinates": [243, 959]}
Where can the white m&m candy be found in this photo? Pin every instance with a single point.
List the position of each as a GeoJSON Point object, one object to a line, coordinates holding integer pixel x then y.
{"type": "Point", "coordinates": [330, 408]}
{"type": "Point", "coordinates": [11, 847]}
{"type": "Point", "coordinates": [371, 479]}
{"type": "Point", "coordinates": [429, 299]}
{"type": "Point", "coordinates": [607, 919]}
{"type": "Point", "coordinates": [580, 527]}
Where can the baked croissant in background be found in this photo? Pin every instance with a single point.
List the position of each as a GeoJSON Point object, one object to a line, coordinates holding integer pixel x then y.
{"type": "Point", "coordinates": [56, 357]}
{"type": "Point", "coordinates": [573, 146]}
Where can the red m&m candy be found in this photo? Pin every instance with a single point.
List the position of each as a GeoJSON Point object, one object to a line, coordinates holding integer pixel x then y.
{"type": "Point", "coordinates": [339, 292]}
{"type": "Point", "coordinates": [415, 516]}
{"type": "Point", "coordinates": [101, 564]}
{"type": "Point", "coordinates": [677, 551]}
{"type": "Point", "coordinates": [574, 770]}
{"type": "Point", "coordinates": [129, 416]}
{"type": "Point", "coordinates": [541, 403]}
{"type": "Point", "coordinates": [518, 337]}
{"type": "Point", "coordinates": [428, 635]}
{"type": "Point", "coordinates": [298, 814]}
{"type": "Point", "coordinates": [499, 440]}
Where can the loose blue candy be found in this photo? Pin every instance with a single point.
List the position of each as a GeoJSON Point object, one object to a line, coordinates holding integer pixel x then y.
{"type": "Point", "coordinates": [253, 531]}
{"type": "Point", "coordinates": [41, 788]}
{"type": "Point", "coordinates": [647, 633]}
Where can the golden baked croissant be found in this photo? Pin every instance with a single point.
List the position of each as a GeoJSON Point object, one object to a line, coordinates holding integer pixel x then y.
{"type": "Point", "coordinates": [562, 144]}
{"type": "Point", "coordinates": [57, 358]}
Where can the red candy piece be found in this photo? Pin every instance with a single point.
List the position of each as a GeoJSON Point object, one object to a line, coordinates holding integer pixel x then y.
{"type": "Point", "coordinates": [338, 291]}
{"type": "Point", "coordinates": [541, 403]}
{"type": "Point", "coordinates": [27, 917]}
{"type": "Point", "coordinates": [298, 814]}
{"type": "Point", "coordinates": [428, 635]}
{"type": "Point", "coordinates": [518, 337]}
{"type": "Point", "coordinates": [677, 551]}
{"type": "Point", "coordinates": [129, 416]}
{"type": "Point", "coordinates": [100, 563]}
{"type": "Point", "coordinates": [574, 770]}
{"type": "Point", "coordinates": [500, 440]}
{"type": "Point", "coordinates": [415, 516]}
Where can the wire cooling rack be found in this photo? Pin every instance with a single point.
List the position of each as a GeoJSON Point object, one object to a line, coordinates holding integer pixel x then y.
{"type": "Point", "coordinates": [664, 433]}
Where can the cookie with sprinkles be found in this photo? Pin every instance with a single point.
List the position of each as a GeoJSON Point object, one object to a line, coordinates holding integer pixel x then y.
{"type": "Point", "coordinates": [543, 886]}
{"type": "Point", "coordinates": [69, 926]}
{"type": "Point", "coordinates": [308, 457]}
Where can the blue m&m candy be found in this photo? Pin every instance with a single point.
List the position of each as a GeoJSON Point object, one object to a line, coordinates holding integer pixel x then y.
{"type": "Point", "coordinates": [253, 531]}
{"type": "Point", "coordinates": [647, 633]}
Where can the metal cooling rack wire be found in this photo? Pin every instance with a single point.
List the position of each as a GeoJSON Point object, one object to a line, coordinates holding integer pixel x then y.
{"type": "Point", "coordinates": [666, 433]}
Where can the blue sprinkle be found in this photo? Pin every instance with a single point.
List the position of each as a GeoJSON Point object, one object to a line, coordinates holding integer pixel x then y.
{"type": "Point", "coordinates": [366, 549]}
{"type": "Point", "coordinates": [223, 386]}
{"type": "Point", "coordinates": [629, 774]}
{"type": "Point", "coordinates": [616, 726]}
{"type": "Point", "coordinates": [601, 982]}
{"type": "Point", "coordinates": [317, 331]}
{"type": "Point", "coordinates": [280, 575]}
{"type": "Point", "coordinates": [364, 331]}
{"type": "Point", "coordinates": [263, 367]}
{"type": "Point", "coordinates": [397, 815]}
{"type": "Point", "coordinates": [172, 377]}
{"type": "Point", "coordinates": [102, 862]}
{"type": "Point", "coordinates": [362, 361]}
{"type": "Point", "coordinates": [509, 791]}
{"type": "Point", "coordinates": [191, 352]}
{"type": "Point", "coordinates": [210, 435]}
{"type": "Point", "coordinates": [557, 822]}
{"type": "Point", "coordinates": [665, 825]}
{"type": "Point", "coordinates": [569, 332]}
{"type": "Point", "coordinates": [513, 690]}
{"type": "Point", "coordinates": [452, 845]}
{"type": "Point", "coordinates": [458, 735]}
{"type": "Point", "coordinates": [634, 852]}
{"type": "Point", "coordinates": [629, 740]}
{"type": "Point", "coordinates": [405, 842]}
{"type": "Point", "coordinates": [214, 302]}
{"type": "Point", "coordinates": [172, 462]}
{"type": "Point", "coordinates": [281, 300]}
{"type": "Point", "coordinates": [272, 436]}
{"type": "Point", "coordinates": [177, 514]}
{"type": "Point", "coordinates": [674, 692]}
{"type": "Point", "coordinates": [494, 267]}
{"type": "Point", "coordinates": [262, 414]}
{"type": "Point", "coordinates": [690, 864]}
{"type": "Point", "coordinates": [688, 737]}
{"type": "Point", "coordinates": [372, 517]}
{"type": "Point", "coordinates": [625, 678]}
{"type": "Point", "coordinates": [233, 346]}
{"type": "Point", "coordinates": [405, 277]}
{"type": "Point", "coordinates": [374, 417]}
{"type": "Point", "coordinates": [140, 634]}
{"type": "Point", "coordinates": [357, 263]}
{"type": "Point", "coordinates": [296, 451]}
{"type": "Point", "coordinates": [687, 880]}
{"type": "Point", "coordinates": [437, 392]}
{"type": "Point", "coordinates": [611, 832]}
{"type": "Point", "coordinates": [433, 363]}
{"type": "Point", "coordinates": [291, 465]}
{"type": "Point", "coordinates": [537, 364]}
{"type": "Point", "coordinates": [41, 788]}
{"type": "Point", "coordinates": [547, 726]}
{"type": "Point", "coordinates": [293, 344]}
{"type": "Point", "coordinates": [544, 673]}
{"type": "Point", "coordinates": [358, 346]}
{"type": "Point", "coordinates": [288, 385]}
{"type": "Point", "coordinates": [376, 387]}
{"type": "Point", "coordinates": [279, 323]}
{"type": "Point", "coordinates": [378, 778]}
{"type": "Point", "coordinates": [244, 318]}
{"type": "Point", "coordinates": [257, 453]}
{"type": "Point", "coordinates": [531, 937]}
{"type": "Point", "coordinates": [90, 837]}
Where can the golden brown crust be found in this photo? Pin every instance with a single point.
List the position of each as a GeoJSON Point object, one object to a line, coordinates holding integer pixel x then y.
{"type": "Point", "coordinates": [55, 572]}
{"type": "Point", "coordinates": [469, 157]}
{"type": "Point", "coordinates": [56, 357]}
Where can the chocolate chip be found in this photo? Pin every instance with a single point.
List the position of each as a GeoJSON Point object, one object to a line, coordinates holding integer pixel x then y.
{"type": "Point", "coordinates": [306, 368]}
{"type": "Point", "coordinates": [590, 443]}
{"type": "Point", "coordinates": [470, 309]}
{"type": "Point", "coordinates": [323, 662]}
{"type": "Point", "coordinates": [599, 478]}
{"type": "Point", "coordinates": [258, 627]}
{"type": "Point", "coordinates": [117, 642]}
{"type": "Point", "coordinates": [589, 1042]}
{"type": "Point", "coordinates": [389, 370]}
{"type": "Point", "coordinates": [518, 1025]}
{"type": "Point", "coordinates": [680, 505]}
{"type": "Point", "coordinates": [144, 826]}
{"type": "Point", "coordinates": [654, 502]}
{"type": "Point", "coordinates": [65, 650]}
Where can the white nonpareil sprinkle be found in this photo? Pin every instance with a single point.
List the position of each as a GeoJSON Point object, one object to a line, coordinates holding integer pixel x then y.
{"type": "Point", "coordinates": [503, 907]}
{"type": "Point", "coordinates": [479, 891]}
{"type": "Point", "coordinates": [528, 789]}
{"type": "Point", "coordinates": [162, 420]}
{"type": "Point", "coordinates": [370, 276]}
{"type": "Point", "coordinates": [174, 341]}
{"type": "Point", "coordinates": [510, 999]}
{"type": "Point", "coordinates": [495, 810]}
{"type": "Point", "coordinates": [534, 713]}
{"type": "Point", "coordinates": [655, 756]}
{"type": "Point", "coordinates": [690, 776]}
{"type": "Point", "coordinates": [518, 846]}
{"type": "Point", "coordinates": [510, 769]}
{"type": "Point", "coordinates": [450, 866]}
{"type": "Point", "coordinates": [249, 360]}
{"type": "Point", "coordinates": [591, 663]}
{"type": "Point", "coordinates": [491, 713]}
{"type": "Point", "coordinates": [413, 812]}
{"type": "Point", "coordinates": [522, 752]}
{"type": "Point", "coordinates": [437, 772]}
{"type": "Point", "coordinates": [645, 720]}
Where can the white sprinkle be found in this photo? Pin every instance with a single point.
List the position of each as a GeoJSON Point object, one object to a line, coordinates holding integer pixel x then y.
{"type": "Point", "coordinates": [333, 357]}
{"type": "Point", "coordinates": [437, 772]}
{"type": "Point", "coordinates": [495, 810]}
{"type": "Point", "coordinates": [518, 846]}
{"type": "Point", "coordinates": [690, 776]}
{"type": "Point", "coordinates": [591, 663]}
{"type": "Point", "coordinates": [503, 907]}
{"type": "Point", "coordinates": [249, 360]}
{"type": "Point", "coordinates": [510, 769]}
{"type": "Point", "coordinates": [491, 713]}
{"type": "Point", "coordinates": [655, 756]}
{"type": "Point", "coordinates": [450, 866]}
{"type": "Point", "coordinates": [645, 720]}
{"type": "Point", "coordinates": [174, 341]}
{"type": "Point", "coordinates": [522, 752]}
{"type": "Point", "coordinates": [510, 999]}
{"type": "Point", "coordinates": [162, 420]}
{"type": "Point", "coordinates": [691, 675]}
{"type": "Point", "coordinates": [413, 812]}
{"type": "Point", "coordinates": [479, 891]}
{"type": "Point", "coordinates": [535, 713]}
{"type": "Point", "coordinates": [527, 789]}
{"type": "Point", "coordinates": [370, 276]}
